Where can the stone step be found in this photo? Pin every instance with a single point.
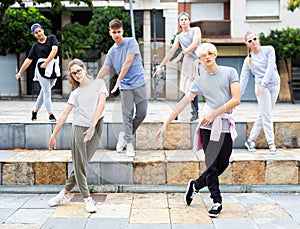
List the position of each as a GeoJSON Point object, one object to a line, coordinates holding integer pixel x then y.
{"type": "Point", "coordinates": [21, 167]}
{"type": "Point", "coordinates": [34, 135]}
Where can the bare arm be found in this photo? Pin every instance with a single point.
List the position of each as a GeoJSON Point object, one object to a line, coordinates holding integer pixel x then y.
{"type": "Point", "coordinates": [51, 56]}
{"type": "Point", "coordinates": [103, 71]}
{"type": "Point", "coordinates": [24, 66]}
{"type": "Point", "coordinates": [61, 121]}
{"type": "Point", "coordinates": [89, 133]}
{"type": "Point", "coordinates": [178, 108]}
{"type": "Point", "coordinates": [169, 55]}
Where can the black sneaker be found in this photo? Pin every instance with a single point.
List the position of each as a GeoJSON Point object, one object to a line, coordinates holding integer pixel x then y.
{"type": "Point", "coordinates": [33, 116]}
{"type": "Point", "coordinates": [215, 210]}
{"type": "Point", "coordinates": [52, 118]}
{"type": "Point", "coordinates": [190, 192]}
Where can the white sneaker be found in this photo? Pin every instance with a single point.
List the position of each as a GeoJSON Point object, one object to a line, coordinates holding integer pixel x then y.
{"type": "Point", "coordinates": [59, 199]}
{"type": "Point", "coordinates": [121, 142]}
{"type": "Point", "coordinates": [90, 205]}
{"type": "Point", "coordinates": [272, 149]}
{"type": "Point", "coordinates": [130, 150]}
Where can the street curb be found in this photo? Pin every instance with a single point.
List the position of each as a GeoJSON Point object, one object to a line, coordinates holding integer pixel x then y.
{"type": "Point", "coordinates": [116, 188]}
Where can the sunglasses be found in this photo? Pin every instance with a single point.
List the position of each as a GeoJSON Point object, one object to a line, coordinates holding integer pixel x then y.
{"type": "Point", "coordinates": [251, 40]}
{"type": "Point", "coordinates": [77, 72]}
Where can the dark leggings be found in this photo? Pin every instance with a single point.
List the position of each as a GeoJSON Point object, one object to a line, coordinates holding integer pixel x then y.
{"type": "Point", "coordinates": [217, 156]}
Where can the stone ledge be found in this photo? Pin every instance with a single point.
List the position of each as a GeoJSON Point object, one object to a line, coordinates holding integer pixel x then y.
{"type": "Point", "coordinates": [162, 167]}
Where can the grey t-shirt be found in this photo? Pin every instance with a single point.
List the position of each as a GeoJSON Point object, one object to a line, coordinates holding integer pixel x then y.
{"type": "Point", "coordinates": [186, 40]}
{"type": "Point", "coordinates": [214, 87]}
{"type": "Point", "coordinates": [85, 101]}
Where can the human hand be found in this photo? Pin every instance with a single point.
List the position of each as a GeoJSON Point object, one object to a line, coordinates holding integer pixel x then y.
{"type": "Point", "coordinates": [177, 58]}
{"type": "Point", "coordinates": [260, 90]}
{"type": "Point", "coordinates": [116, 87]}
{"type": "Point", "coordinates": [207, 119]}
{"type": "Point", "coordinates": [157, 71]}
{"type": "Point", "coordinates": [18, 75]}
{"type": "Point", "coordinates": [89, 133]}
{"type": "Point", "coordinates": [52, 143]}
{"type": "Point", "coordinates": [43, 65]}
{"type": "Point", "coordinates": [161, 131]}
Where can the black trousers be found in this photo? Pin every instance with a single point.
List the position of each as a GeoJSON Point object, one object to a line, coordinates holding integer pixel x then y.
{"type": "Point", "coordinates": [217, 156]}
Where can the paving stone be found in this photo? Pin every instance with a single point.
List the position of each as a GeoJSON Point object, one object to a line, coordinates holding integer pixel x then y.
{"type": "Point", "coordinates": [235, 223]}
{"type": "Point", "coordinates": [178, 136]}
{"type": "Point", "coordinates": [5, 213]}
{"type": "Point", "coordinates": [50, 173]}
{"type": "Point", "coordinates": [248, 172]}
{"type": "Point", "coordinates": [149, 216]}
{"type": "Point", "coordinates": [254, 198]}
{"type": "Point", "coordinates": [176, 200]}
{"type": "Point", "coordinates": [149, 226]}
{"type": "Point", "coordinates": [189, 215]}
{"type": "Point", "coordinates": [64, 223]}
{"type": "Point", "coordinates": [150, 200]}
{"type": "Point", "coordinates": [271, 223]}
{"type": "Point", "coordinates": [17, 173]}
{"type": "Point", "coordinates": [34, 216]}
{"type": "Point", "coordinates": [274, 174]}
{"type": "Point", "coordinates": [38, 201]}
{"type": "Point", "coordinates": [112, 211]}
{"type": "Point", "coordinates": [232, 211]}
{"type": "Point", "coordinates": [179, 172]}
{"type": "Point", "coordinates": [119, 198]}
{"type": "Point", "coordinates": [145, 137]}
{"type": "Point", "coordinates": [266, 211]}
{"type": "Point", "coordinates": [70, 211]}
{"type": "Point", "coordinates": [106, 223]}
{"type": "Point", "coordinates": [23, 226]}
{"type": "Point", "coordinates": [13, 201]}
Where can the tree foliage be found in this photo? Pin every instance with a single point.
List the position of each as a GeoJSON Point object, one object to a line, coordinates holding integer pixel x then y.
{"type": "Point", "coordinates": [293, 4]}
{"type": "Point", "coordinates": [56, 5]}
{"type": "Point", "coordinates": [75, 38]}
{"type": "Point", "coordinates": [286, 42]}
{"type": "Point", "coordinates": [15, 34]}
{"type": "Point", "coordinates": [99, 24]}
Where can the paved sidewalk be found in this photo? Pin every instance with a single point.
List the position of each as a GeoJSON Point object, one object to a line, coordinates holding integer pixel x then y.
{"type": "Point", "coordinates": [152, 210]}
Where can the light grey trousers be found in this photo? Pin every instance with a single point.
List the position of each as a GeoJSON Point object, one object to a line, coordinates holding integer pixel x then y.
{"type": "Point", "coordinates": [82, 152]}
{"type": "Point", "coordinates": [135, 99]}
{"type": "Point", "coordinates": [45, 94]}
{"type": "Point", "coordinates": [266, 102]}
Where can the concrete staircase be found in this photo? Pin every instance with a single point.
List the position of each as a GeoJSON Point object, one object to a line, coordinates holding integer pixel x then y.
{"type": "Point", "coordinates": [166, 165]}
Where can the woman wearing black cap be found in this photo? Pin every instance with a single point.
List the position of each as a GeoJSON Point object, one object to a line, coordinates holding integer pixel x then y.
{"type": "Point", "coordinates": [44, 52]}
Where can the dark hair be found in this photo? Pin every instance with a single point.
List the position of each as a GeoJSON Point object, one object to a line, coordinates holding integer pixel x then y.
{"type": "Point", "coordinates": [75, 84]}
{"type": "Point", "coordinates": [115, 24]}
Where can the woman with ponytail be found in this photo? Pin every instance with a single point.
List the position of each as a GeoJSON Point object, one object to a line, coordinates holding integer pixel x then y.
{"type": "Point", "coordinates": [261, 62]}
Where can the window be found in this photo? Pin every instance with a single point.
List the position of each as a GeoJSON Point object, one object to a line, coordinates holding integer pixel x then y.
{"type": "Point", "coordinates": [207, 11]}
{"type": "Point", "coordinates": [262, 9]}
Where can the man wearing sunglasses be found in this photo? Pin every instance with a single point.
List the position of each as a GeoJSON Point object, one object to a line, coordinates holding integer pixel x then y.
{"type": "Point", "coordinates": [261, 62]}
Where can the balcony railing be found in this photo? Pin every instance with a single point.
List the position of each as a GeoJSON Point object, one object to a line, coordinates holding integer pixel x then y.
{"type": "Point", "coordinates": [214, 29]}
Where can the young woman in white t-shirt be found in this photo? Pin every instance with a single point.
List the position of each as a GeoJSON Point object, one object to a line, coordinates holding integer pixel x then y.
{"type": "Point", "coordinates": [87, 101]}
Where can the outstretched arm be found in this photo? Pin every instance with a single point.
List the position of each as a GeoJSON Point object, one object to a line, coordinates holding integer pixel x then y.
{"type": "Point", "coordinates": [24, 66]}
{"type": "Point", "coordinates": [178, 108]}
{"type": "Point", "coordinates": [61, 121]}
{"type": "Point", "coordinates": [169, 55]}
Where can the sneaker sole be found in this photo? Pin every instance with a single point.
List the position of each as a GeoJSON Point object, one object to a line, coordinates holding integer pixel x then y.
{"type": "Point", "coordinates": [213, 215]}
{"type": "Point", "coordinates": [187, 189]}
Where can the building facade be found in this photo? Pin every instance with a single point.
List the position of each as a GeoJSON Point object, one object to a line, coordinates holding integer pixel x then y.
{"type": "Point", "coordinates": [222, 22]}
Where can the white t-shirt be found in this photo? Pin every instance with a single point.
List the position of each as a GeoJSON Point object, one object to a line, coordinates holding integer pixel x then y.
{"type": "Point", "coordinates": [85, 101]}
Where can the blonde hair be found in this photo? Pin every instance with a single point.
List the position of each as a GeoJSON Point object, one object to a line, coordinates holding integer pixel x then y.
{"type": "Point", "coordinates": [249, 49]}
{"type": "Point", "coordinates": [205, 48]}
{"type": "Point", "coordinates": [75, 84]}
